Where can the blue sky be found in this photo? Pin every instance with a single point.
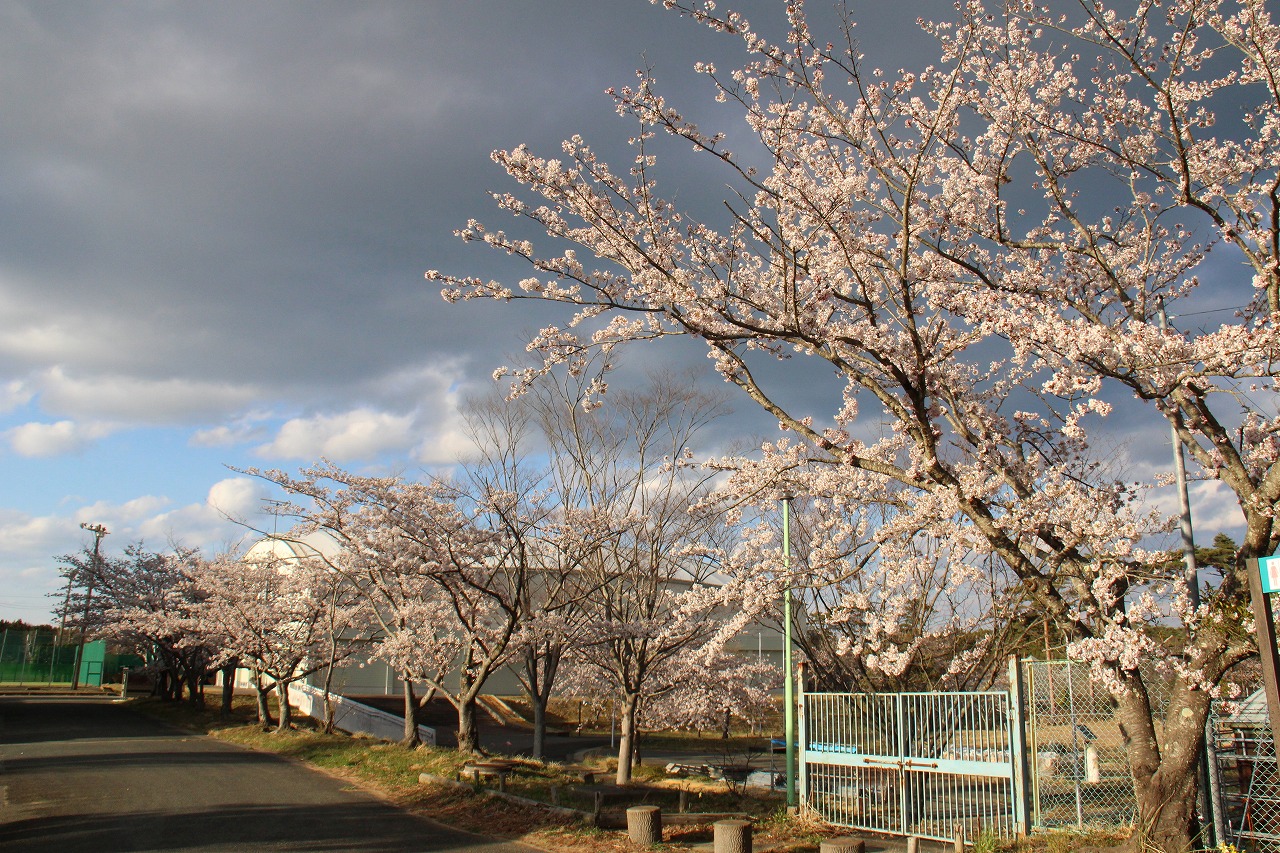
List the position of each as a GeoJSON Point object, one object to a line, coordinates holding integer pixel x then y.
{"type": "Point", "coordinates": [216, 222]}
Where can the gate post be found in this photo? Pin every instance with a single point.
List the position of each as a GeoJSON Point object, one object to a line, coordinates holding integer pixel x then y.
{"type": "Point", "coordinates": [1018, 748]}
{"type": "Point", "coordinates": [801, 751]}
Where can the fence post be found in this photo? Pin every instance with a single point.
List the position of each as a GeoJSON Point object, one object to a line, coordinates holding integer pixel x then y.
{"type": "Point", "coordinates": [1018, 748]}
{"type": "Point", "coordinates": [802, 762]}
{"type": "Point", "coordinates": [1075, 744]}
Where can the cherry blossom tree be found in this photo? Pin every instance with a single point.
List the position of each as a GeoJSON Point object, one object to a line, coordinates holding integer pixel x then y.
{"type": "Point", "coordinates": [979, 248]}
{"type": "Point", "coordinates": [445, 588]}
{"type": "Point", "coordinates": [275, 615]}
{"type": "Point", "coordinates": [883, 611]}
{"type": "Point", "coordinates": [708, 692]}
{"type": "Point", "coordinates": [145, 601]}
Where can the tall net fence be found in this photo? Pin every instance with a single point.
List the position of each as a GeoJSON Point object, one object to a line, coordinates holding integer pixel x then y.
{"type": "Point", "coordinates": [35, 656]}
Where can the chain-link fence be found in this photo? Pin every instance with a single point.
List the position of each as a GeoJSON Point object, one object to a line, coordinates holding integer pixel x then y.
{"type": "Point", "coordinates": [1250, 776]}
{"type": "Point", "coordinates": [34, 656]}
{"type": "Point", "coordinates": [1077, 764]}
{"type": "Point", "coordinates": [1079, 767]}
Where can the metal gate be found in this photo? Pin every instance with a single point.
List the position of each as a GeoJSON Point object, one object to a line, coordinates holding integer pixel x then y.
{"type": "Point", "coordinates": [924, 764]}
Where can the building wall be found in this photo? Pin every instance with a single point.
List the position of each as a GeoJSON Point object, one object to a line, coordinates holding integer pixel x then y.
{"type": "Point", "coordinates": [358, 676]}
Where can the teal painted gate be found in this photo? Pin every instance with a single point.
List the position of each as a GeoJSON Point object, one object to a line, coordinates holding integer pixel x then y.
{"type": "Point", "coordinates": [923, 764]}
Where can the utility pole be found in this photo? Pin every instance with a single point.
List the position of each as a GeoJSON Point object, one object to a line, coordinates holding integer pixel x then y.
{"type": "Point", "coordinates": [789, 690]}
{"type": "Point", "coordinates": [1211, 803]}
{"type": "Point", "coordinates": [98, 532]}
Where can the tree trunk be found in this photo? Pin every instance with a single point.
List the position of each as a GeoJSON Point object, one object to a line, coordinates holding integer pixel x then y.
{"type": "Point", "coordinates": [328, 725]}
{"type": "Point", "coordinates": [410, 739]}
{"type": "Point", "coordinates": [539, 678]}
{"type": "Point", "coordinates": [1164, 767]}
{"type": "Point", "coordinates": [539, 706]}
{"type": "Point", "coordinates": [468, 730]}
{"type": "Point", "coordinates": [626, 737]}
{"type": "Point", "coordinates": [286, 713]}
{"type": "Point", "coordinates": [195, 687]}
{"type": "Point", "coordinates": [228, 689]}
{"type": "Point", "coordinates": [264, 711]}
{"type": "Point", "coordinates": [1166, 815]}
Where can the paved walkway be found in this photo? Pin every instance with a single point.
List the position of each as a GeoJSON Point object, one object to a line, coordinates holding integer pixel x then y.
{"type": "Point", "coordinates": [88, 774]}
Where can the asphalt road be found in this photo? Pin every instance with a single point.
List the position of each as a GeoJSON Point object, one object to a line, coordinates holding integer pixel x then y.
{"type": "Point", "coordinates": [89, 775]}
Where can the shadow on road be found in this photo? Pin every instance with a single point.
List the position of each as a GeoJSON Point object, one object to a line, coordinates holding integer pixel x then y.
{"type": "Point", "coordinates": [328, 827]}
{"type": "Point", "coordinates": [108, 762]}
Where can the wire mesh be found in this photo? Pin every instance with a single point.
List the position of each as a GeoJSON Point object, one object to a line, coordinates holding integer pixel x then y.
{"type": "Point", "coordinates": [1250, 776]}
{"type": "Point", "coordinates": [33, 656]}
{"type": "Point", "coordinates": [866, 760]}
{"type": "Point", "coordinates": [1079, 765]}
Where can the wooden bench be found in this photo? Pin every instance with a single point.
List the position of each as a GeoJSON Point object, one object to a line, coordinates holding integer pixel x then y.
{"type": "Point", "coordinates": [480, 770]}
{"type": "Point", "coordinates": [585, 775]}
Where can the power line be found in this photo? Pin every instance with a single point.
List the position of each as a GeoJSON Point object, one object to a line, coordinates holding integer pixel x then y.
{"type": "Point", "coordinates": [1208, 311]}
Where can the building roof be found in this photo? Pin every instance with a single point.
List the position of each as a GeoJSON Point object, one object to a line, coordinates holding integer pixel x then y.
{"type": "Point", "coordinates": [276, 549]}
{"type": "Point", "coordinates": [1252, 712]}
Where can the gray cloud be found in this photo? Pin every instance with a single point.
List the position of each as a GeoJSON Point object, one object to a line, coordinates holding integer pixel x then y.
{"type": "Point", "coordinates": [217, 217]}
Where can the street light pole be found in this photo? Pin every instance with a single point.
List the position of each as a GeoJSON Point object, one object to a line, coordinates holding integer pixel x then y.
{"type": "Point", "coordinates": [789, 690]}
{"type": "Point", "coordinates": [98, 532]}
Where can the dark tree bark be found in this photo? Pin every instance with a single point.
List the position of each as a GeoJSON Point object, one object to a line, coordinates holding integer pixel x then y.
{"type": "Point", "coordinates": [468, 727]}
{"type": "Point", "coordinates": [410, 739]}
{"type": "Point", "coordinates": [285, 721]}
{"type": "Point", "coordinates": [264, 710]}
{"type": "Point", "coordinates": [228, 689]}
{"type": "Point", "coordinates": [538, 681]}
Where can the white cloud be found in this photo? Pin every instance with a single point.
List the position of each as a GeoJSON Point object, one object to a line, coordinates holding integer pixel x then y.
{"type": "Point", "coordinates": [139, 400]}
{"type": "Point", "coordinates": [21, 532]}
{"type": "Point", "coordinates": [1214, 509]}
{"type": "Point", "coordinates": [30, 545]}
{"type": "Point", "coordinates": [37, 439]}
{"type": "Point", "coordinates": [358, 434]}
{"type": "Point", "coordinates": [238, 497]}
{"type": "Point", "coordinates": [224, 436]}
{"type": "Point", "coordinates": [122, 517]}
{"type": "Point", "coordinates": [431, 432]}
{"type": "Point", "coordinates": [445, 445]}
{"type": "Point", "coordinates": [14, 394]}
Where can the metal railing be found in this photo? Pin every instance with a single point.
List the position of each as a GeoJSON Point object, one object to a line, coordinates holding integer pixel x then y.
{"type": "Point", "coordinates": [936, 764]}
